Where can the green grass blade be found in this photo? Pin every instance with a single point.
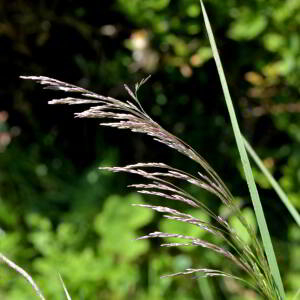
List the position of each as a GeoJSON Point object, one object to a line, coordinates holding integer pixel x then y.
{"type": "Point", "coordinates": [246, 164]}
{"type": "Point", "coordinates": [273, 183]}
{"type": "Point", "coordinates": [64, 287]}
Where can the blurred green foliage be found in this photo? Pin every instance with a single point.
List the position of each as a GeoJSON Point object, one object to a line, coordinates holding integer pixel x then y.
{"type": "Point", "coordinates": [58, 213]}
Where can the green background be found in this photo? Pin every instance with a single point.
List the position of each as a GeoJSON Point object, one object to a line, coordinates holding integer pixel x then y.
{"type": "Point", "coordinates": [59, 213]}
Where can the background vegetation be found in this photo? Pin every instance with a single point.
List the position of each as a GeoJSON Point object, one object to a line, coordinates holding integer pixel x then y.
{"type": "Point", "coordinates": [58, 213]}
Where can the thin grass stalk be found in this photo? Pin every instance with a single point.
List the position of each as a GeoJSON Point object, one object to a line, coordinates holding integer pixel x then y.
{"type": "Point", "coordinates": [267, 243]}
{"type": "Point", "coordinates": [281, 194]}
{"type": "Point", "coordinates": [22, 272]}
{"type": "Point", "coordinates": [64, 287]}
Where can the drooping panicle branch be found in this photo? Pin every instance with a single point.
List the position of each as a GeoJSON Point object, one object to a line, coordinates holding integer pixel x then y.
{"type": "Point", "coordinates": [130, 115]}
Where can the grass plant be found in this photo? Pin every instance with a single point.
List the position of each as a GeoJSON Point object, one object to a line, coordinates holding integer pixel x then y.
{"type": "Point", "coordinates": [256, 260]}
{"type": "Point", "coordinates": [161, 182]}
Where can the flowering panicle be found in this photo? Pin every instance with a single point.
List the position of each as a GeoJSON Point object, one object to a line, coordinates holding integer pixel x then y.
{"type": "Point", "coordinates": [130, 115]}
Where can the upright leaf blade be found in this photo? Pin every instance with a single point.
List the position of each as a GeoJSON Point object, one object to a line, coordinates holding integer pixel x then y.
{"type": "Point", "coordinates": [64, 287]}
{"type": "Point", "coordinates": [245, 162]}
{"type": "Point", "coordinates": [274, 183]}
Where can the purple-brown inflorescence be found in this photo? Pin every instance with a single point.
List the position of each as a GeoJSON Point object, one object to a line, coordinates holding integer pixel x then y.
{"type": "Point", "coordinates": [130, 115]}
